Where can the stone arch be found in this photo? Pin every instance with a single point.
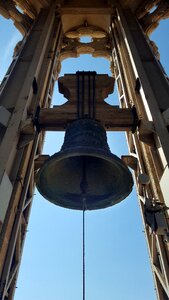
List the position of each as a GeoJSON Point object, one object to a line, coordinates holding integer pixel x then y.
{"type": "Point", "coordinates": [99, 46]}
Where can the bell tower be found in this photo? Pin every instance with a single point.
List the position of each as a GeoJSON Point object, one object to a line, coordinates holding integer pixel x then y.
{"type": "Point", "coordinates": [51, 32]}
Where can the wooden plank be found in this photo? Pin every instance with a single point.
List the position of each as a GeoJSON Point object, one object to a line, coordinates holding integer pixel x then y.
{"type": "Point", "coordinates": [54, 119]}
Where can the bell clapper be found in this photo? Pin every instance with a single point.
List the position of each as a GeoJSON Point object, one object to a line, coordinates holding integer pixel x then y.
{"type": "Point", "coordinates": [83, 187]}
{"type": "Point", "coordinates": [84, 254]}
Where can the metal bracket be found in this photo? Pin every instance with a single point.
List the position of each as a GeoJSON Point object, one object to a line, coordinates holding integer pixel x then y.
{"type": "Point", "coordinates": [24, 140]}
{"type": "Point", "coordinates": [4, 116]}
{"type": "Point", "coordinates": [155, 217]}
{"type": "Point", "coordinates": [40, 160]}
{"type": "Point", "coordinates": [27, 131]}
{"type": "Point", "coordinates": [146, 131]}
{"type": "Point", "coordinates": [36, 119]}
{"type": "Point", "coordinates": [166, 116]}
{"type": "Point", "coordinates": [130, 161]}
{"type": "Point", "coordinates": [27, 127]}
{"type": "Point", "coordinates": [135, 118]}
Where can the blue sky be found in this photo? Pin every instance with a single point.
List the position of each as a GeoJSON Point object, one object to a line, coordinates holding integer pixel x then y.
{"type": "Point", "coordinates": [117, 263]}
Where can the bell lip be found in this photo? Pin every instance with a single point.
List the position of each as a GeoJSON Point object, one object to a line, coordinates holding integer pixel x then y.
{"type": "Point", "coordinates": [79, 151]}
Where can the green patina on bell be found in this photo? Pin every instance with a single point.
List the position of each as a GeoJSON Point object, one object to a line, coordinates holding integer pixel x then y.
{"type": "Point", "coordinates": [84, 169]}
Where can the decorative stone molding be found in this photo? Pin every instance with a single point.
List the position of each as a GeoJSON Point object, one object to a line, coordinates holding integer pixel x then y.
{"type": "Point", "coordinates": [86, 30]}
{"type": "Point", "coordinates": [151, 13]}
{"type": "Point", "coordinates": [98, 47]}
{"type": "Point", "coordinates": [145, 7]}
{"type": "Point", "coordinates": [148, 12]}
{"type": "Point", "coordinates": [27, 8]}
{"type": "Point", "coordinates": [9, 10]}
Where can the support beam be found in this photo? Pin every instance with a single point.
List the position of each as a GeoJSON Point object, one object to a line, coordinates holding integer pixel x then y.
{"type": "Point", "coordinates": [114, 119]}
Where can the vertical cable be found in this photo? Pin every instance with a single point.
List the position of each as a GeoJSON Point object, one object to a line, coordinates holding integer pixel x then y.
{"type": "Point", "coordinates": [83, 94]}
{"type": "Point", "coordinates": [78, 95]}
{"type": "Point", "coordinates": [89, 96]}
{"type": "Point", "coordinates": [93, 100]}
{"type": "Point", "coordinates": [83, 187]}
{"type": "Point", "coordinates": [84, 283]}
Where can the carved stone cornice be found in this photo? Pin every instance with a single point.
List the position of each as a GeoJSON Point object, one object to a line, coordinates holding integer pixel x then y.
{"type": "Point", "coordinates": [9, 10]}
{"type": "Point", "coordinates": [72, 45]}
{"type": "Point", "coordinates": [23, 12]}
{"type": "Point", "coordinates": [150, 14]}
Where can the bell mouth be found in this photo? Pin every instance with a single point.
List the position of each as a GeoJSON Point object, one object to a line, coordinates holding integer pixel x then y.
{"type": "Point", "coordinates": [107, 180]}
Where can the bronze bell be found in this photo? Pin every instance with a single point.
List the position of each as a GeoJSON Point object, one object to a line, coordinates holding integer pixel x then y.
{"type": "Point", "coordinates": [84, 174]}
